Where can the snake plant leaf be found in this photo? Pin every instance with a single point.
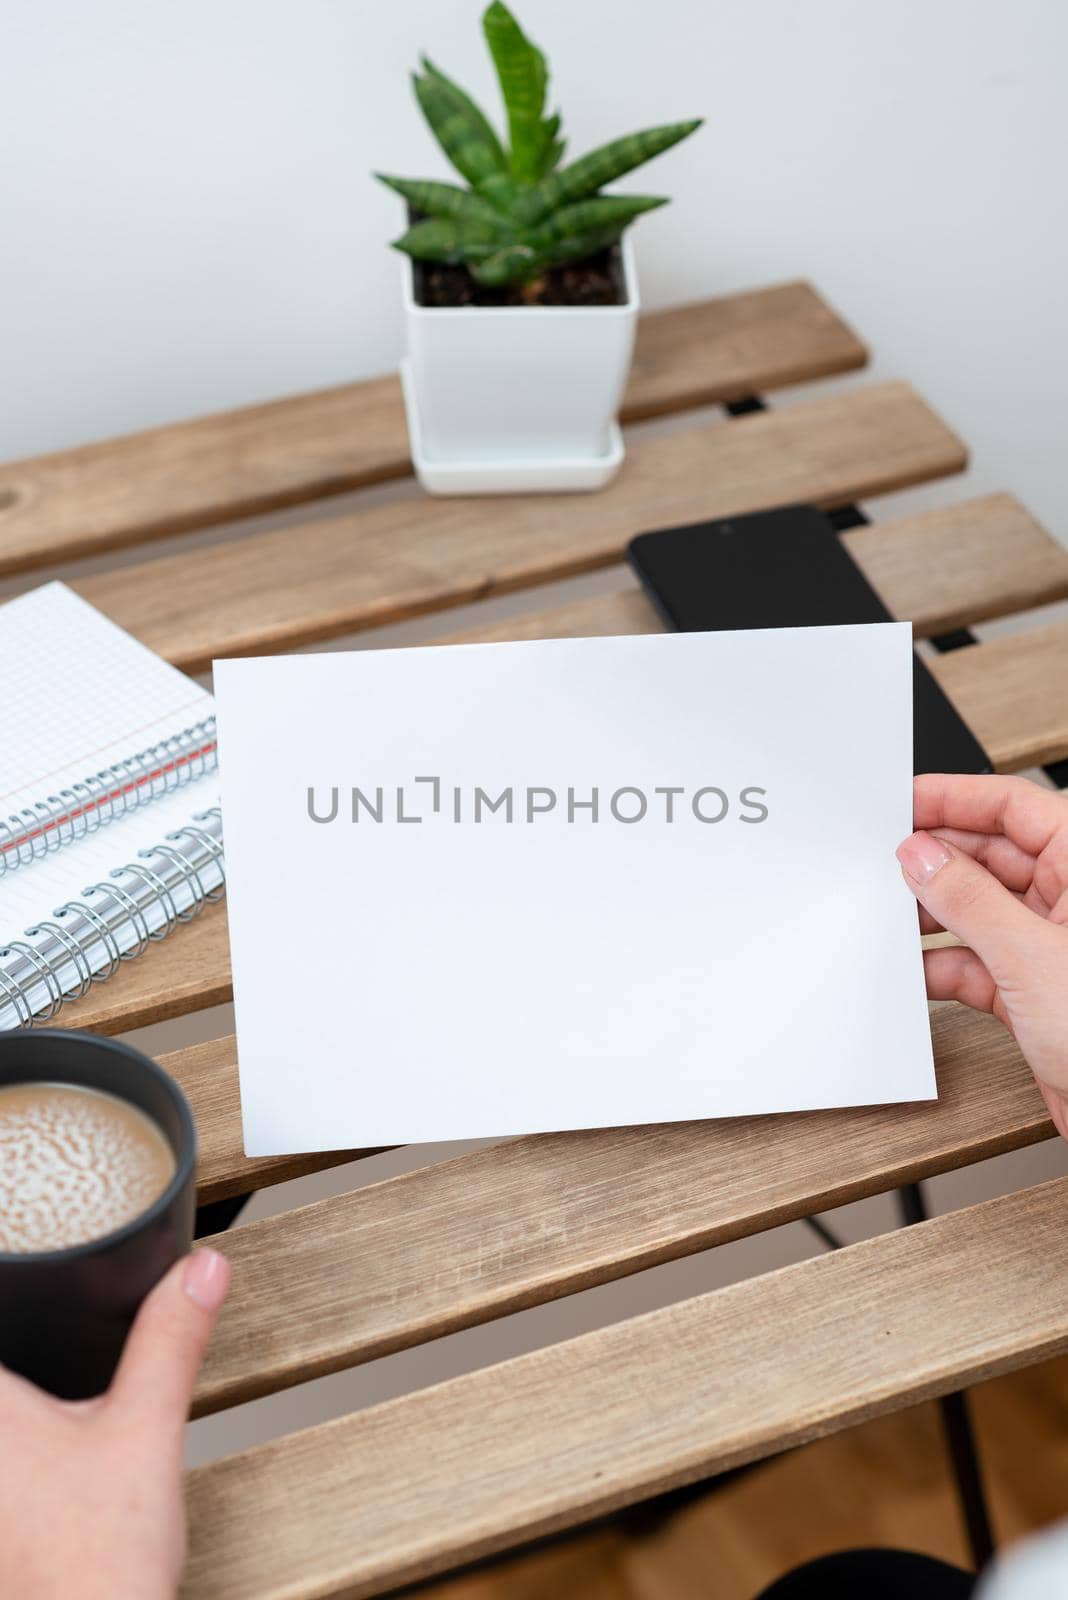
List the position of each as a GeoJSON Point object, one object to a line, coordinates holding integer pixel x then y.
{"type": "Point", "coordinates": [524, 78]}
{"type": "Point", "coordinates": [464, 105]}
{"type": "Point", "coordinates": [589, 173]}
{"type": "Point", "coordinates": [448, 240]}
{"type": "Point", "coordinates": [435, 199]}
{"type": "Point", "coordinates": [461, 136]}
{"type": "Point", "coordinates": [578, 246]}
{"type": "Point", "coordinates": [603, 212]}
{"type": "Point", "coordinates": [557, 145]}
{"type": "Point", "coordinates": [522, 261]}
{"type": "Point", "coordinates": [514, 264]}
{"type": "Point", "coordinates": [502, 191]}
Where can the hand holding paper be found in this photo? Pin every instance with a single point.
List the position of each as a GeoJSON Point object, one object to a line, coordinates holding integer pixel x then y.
{"type": "Point", "coordinates": [990, 864]}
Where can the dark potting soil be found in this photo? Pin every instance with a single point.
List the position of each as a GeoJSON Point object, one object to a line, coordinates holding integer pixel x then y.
{"type": "Point", "coordinates": [597, 281]}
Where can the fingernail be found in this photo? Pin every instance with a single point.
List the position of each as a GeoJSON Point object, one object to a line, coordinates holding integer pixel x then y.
{"type": "Point", "coordinates": [207, 1278]}
{"type": "Point", "coordinates": [922, 856]}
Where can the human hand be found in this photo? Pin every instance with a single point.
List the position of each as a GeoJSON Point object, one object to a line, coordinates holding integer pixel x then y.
{"type": "Point", "coordinates": [990, 864]}
{"type": "Point", "coordinates": [91, 1490]}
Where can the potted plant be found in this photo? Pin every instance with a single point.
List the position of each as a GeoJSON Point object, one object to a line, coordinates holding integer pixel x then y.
{"type": "Point", "coordinates": [520, 293]}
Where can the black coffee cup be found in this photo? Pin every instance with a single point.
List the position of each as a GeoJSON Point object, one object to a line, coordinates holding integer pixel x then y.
{"type": "Point", "coordinates": [65, 1314]}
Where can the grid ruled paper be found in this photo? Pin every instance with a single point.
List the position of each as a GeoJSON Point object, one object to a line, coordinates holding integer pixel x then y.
{"type": "Point", "coordinates": [77, 694]}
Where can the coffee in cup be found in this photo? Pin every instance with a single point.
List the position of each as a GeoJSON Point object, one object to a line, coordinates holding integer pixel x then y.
{"type": "Point", "coordinates": [75, 1164]}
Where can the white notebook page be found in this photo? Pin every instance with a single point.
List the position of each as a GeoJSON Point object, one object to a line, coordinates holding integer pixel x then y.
{"type": "Point", "coordinates": [78, 695]}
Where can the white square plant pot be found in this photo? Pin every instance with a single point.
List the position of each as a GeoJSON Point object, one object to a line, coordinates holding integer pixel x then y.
{"type": "Point", "coordinates": [517, 399]}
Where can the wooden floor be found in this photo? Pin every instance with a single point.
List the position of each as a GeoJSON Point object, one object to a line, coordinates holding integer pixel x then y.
{"type": "Point", "coordinates": [886, 1483]}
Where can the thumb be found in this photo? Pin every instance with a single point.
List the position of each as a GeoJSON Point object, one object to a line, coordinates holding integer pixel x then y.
{"type": "Point", "coordinates": [165, 1346]}
{"type": "Point", "coordinates": [970, 902]}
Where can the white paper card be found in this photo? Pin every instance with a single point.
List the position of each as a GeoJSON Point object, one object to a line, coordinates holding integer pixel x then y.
{"type": "Point", "coordinates": [417, 974]}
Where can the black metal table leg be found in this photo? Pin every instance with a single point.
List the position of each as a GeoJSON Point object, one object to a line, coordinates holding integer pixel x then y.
{"type": "Point", "coordinates": [957, 1426]}
{"type": "Point", "coordinates": [822, 1232]}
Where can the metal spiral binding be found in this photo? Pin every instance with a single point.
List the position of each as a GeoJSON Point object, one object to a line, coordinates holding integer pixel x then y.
{"type": "Point", "coordinates": [86, 806]}
{"type": "Point", "coordinates": [88, 939]}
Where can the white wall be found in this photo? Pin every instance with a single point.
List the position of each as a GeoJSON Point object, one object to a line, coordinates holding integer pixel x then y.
{"type": "Point", "coordinates": [187, 221]}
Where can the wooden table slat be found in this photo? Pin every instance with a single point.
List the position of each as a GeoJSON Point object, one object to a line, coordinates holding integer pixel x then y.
{"type": "Point", "coordinates": [579, 1429]}
{"type": "Point", "coordinates": [961, 564]}
{"type": "Point", "coordinates": [391, 1265]}
{"type": "Point", "coordinates": [294, 586]}
{"type": "Point", "coordinates": [1013, 692]}
{"type": "Point", "coordinates": [261, 458]}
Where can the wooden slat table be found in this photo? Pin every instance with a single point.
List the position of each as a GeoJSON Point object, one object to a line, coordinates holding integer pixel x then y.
{"type": "Point", "coordinates": [446, 1475]}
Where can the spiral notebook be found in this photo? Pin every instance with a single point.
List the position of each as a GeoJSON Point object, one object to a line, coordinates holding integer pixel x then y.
{"type": "Point", "coordinates": [110, 833]}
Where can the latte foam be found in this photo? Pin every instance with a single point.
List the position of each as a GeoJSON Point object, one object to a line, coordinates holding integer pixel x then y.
{"type": "Point", "coordinates": [75, 1164]}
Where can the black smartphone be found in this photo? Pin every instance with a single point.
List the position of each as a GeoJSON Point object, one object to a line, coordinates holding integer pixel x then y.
{"type": "Point", "coordinates": [788, 569]}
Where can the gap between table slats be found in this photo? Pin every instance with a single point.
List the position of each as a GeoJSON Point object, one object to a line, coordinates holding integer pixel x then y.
{"type": "Point", "coordinates": [362, 1274]}
{"type": "Point", "coordinates": [300, 584]}
{"type": "Point", "coordinates": [219, 468]}
{"type": "Point", "coordinates": [553, 1438]}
